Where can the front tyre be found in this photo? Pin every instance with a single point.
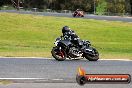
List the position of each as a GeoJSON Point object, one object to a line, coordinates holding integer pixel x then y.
{"type": "Point", "coordinates": [59, 55]}
{"type": "Point", "coordinates": [93, 56]}
{"type": "Point", "coordinates": [82, 16]}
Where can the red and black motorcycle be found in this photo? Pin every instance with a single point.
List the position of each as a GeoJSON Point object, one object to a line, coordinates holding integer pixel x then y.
{"type": "Point", "coordinates": [65, 49]}
{"type": "Point", "coordinates": [78, 13]}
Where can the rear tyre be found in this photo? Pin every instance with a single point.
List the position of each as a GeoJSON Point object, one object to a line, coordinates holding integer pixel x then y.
{"type": "Point", "coordinates": [59, 55]}
{"type": "Point", "coordinates": [92, 57]}
{"type": "Point", "coordinates": [74, 15]}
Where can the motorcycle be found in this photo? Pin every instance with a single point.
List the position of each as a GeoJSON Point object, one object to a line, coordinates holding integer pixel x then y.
{"type": "Point", "coordinates": [78, 14]}
{"type": "Point", "coordinates": [64, 48]}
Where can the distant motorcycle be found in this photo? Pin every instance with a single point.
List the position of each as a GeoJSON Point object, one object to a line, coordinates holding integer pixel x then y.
{"type": "Point", "coordinates": [64, 48]}
{"type": "Point", "coordinates": [78, 14]}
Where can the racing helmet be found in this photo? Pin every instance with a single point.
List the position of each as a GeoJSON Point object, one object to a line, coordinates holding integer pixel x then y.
{"type": "Point", "coordinates": [65, 29]}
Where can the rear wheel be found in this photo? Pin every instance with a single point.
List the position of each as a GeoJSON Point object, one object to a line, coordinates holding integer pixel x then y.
{"type": "Point", "coordinates": [74, 15]}
{"type": "Point", "coordinates": [92, 57]}
{"type": "Point", "coordinates": [58, 54]}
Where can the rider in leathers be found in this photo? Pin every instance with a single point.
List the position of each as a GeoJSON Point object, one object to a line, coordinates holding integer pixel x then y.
{"type": "Point", "coordinates": [69, 34]}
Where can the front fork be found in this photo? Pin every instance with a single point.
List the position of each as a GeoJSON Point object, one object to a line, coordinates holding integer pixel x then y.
{"type": "Point", "coordinates": [60, 48]}
{"type": "Point", "coordinates": [61, 53]}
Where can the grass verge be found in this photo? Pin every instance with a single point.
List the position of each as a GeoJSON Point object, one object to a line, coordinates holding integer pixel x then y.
{"type": "Point", "coordinates": [30, 35]}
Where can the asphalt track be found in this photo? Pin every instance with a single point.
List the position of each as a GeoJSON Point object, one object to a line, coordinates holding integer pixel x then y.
{"type": "Point", "coordinates": [87, 16]}
{"type": "Point", "coordinates": [49, 73]}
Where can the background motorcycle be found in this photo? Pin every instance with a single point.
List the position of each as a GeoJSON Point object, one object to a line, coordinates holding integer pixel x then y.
{"type": "Point", "coordinates": [64, 48]}
{"type": "Point", "coordinates": [78, 14]}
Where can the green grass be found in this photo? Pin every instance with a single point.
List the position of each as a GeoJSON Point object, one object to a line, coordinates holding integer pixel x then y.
{"type": "Point", "coordinates": [30, 35]}
{"type": "Point", "coordinates": [5, 82]}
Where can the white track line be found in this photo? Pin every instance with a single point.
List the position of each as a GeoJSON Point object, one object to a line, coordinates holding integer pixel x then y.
{"type": "Point", "coordinates": [20, 78]}
{"type": "Point", "coordinates": [25, 57]}
{"type": "Point", "coordinates": [27, 79]}
{"type": "Point", "coordinates": [117, 59]}
{"type": "Point", "coordinates": [52, 58]}
{"type": "Point", "coordinates": [57, 79]}
{"type": "Point", "coordinates": [31, 79]}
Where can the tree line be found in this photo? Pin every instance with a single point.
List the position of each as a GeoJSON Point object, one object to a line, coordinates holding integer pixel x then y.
{"type": "Point", "coordinates": [99, 6]}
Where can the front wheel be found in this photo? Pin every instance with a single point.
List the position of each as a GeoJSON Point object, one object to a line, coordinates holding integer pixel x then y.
{"type": "Point", "coordinates": [82, 16]}
{"type": "Point", "coordinates": [58, 54]}
{"type": "Point", "coordinates": [94, 56]}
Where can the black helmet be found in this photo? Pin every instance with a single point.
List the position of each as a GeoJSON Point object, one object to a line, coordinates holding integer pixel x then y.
{"type": "Point", "coordinates": [65, 29]}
